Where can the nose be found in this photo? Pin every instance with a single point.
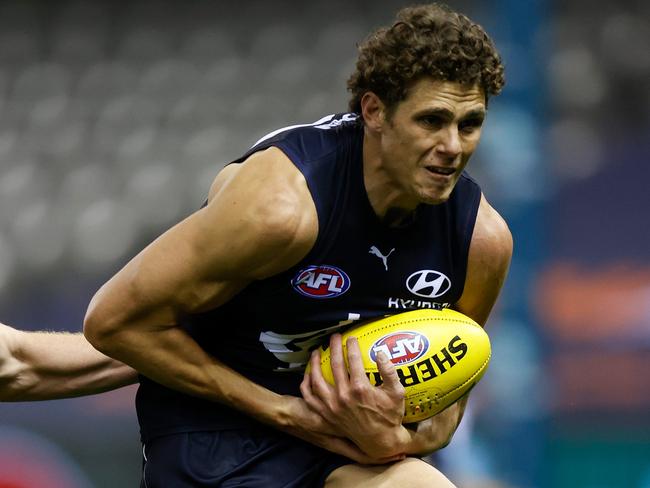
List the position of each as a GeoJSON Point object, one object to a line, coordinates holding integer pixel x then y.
{"type": "Point", "coordinates": [449, 143]}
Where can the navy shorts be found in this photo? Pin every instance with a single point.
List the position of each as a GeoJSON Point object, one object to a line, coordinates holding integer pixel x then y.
{"type": "Point", "coordinates": [251, 458]}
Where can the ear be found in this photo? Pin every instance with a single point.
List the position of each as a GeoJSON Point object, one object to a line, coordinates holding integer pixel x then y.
{"type": "Point", "coordinates": [373, 111]}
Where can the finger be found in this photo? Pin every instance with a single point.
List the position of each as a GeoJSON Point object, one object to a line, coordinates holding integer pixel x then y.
{"type": "Point", "coordinates": [305, 388]}
{"type": "Point", "coordinates": [319, 386]}
{"type": "Point", "coordinates": [355, 363]}
{"type": "Point", "coordinates": [389, 374]}
{"type": "Point", "coordinates": [339, 370]}
{"type": "Point", "coordinates": [311, 400]}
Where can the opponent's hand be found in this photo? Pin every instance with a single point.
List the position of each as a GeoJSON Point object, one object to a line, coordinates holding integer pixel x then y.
{"type": "Point", "coordinates": [370, 416]}
{"type": "Point", "coordinates": [311, 427]}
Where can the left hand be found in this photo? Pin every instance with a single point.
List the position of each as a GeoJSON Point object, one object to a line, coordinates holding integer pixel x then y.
{"type": "Point", "coordinates": [370, 416]}
{"type": "Point", "coordinates": [436, 432]}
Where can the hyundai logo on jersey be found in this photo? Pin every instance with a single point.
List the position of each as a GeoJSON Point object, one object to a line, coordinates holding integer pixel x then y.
{"type": "Point", "coordinates": [428, 283]}
{"type": "Point", "coordinates": [401, 347]}
{"type": "Point", "coordinates": [321, 281]}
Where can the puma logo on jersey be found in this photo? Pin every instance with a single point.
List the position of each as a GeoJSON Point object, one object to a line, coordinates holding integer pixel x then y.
{"type": "Point", "coordinates": [376, 252]}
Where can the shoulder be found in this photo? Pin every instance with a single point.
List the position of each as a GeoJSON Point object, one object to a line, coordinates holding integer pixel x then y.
{"type": "Point", "coordinates": [266, 190]}
{"type": "Point", "coordinates": [491, 239]}
{"type": "Point", "coordinates": [489, 258]}
{"type": "Point", "coordinates": [267, 198]}
{"type": "Point", "coordinates": [308, 142]}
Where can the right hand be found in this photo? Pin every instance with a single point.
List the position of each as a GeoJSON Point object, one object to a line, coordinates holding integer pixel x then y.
{"type": "Point", "coordinates": [370, 416]}
{"type": "Point", "coordinates": [310, 426]}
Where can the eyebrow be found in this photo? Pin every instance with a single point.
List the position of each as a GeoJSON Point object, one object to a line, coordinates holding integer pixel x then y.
{"type": "Point", "coordinates": [446, 114]}
{"type": "Point", "coordinates": [478, 113]}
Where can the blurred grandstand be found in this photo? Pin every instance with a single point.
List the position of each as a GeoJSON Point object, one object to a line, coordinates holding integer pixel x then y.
{"type": "Point", "coordinates": [116, 115]}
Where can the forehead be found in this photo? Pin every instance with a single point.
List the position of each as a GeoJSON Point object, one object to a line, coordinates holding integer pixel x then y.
{"type": "Point", "coordinates": [428, 93]}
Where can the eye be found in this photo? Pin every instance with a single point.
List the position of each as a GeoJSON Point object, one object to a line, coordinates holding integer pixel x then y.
{"type": "Point", "coordinates": [470, 125]}
{"type": "Point", "coordinates": [432, 121]}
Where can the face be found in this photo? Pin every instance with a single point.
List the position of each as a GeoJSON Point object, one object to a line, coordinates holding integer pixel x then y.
{"type": "Point", "coordinates": [425, 143]}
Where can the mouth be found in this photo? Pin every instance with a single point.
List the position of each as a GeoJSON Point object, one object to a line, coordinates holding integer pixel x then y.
{"type": "Point", "coordinates": [441, 170]}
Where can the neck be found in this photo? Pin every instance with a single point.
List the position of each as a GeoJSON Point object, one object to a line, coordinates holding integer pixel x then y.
{"type": "Point", "coordinates": [386, 197]}
{"type": "Point", "coordinates": [398, 217]}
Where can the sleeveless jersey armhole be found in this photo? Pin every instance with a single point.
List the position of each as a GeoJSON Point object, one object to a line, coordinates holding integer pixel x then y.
{"type": "Point", "coordinates": [468, 221]}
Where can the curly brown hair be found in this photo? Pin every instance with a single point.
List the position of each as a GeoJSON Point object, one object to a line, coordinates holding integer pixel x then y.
{"type": "Point", "coordinates": [425, 40]}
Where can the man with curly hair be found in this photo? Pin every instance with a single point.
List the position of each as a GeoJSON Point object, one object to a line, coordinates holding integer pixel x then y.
{"type": "Point", "coordinates": [315, 227]}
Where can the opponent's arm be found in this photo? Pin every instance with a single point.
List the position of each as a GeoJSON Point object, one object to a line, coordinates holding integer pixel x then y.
{"type": "Point", "coordinates": [260, 220]}
{"type": "Point", "coordinates": [489, 258]}
{"type": "Point", "coordinates": [49, 365]}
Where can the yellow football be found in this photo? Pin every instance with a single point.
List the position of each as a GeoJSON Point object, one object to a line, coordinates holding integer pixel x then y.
{"type": "Point", "coordinates": [439, 356]}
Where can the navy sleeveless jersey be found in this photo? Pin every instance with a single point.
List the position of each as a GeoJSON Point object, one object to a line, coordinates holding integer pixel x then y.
{"type": "Point", "coordinates": [358, 269]}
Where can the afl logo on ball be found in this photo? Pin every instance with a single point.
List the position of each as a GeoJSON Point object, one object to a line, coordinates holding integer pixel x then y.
{"type": "Point", "coordinates": [401, 347]}
{"type": "Point", "coordinates": [428, 283]}
{"type": "Point", "coordinates": [321, 281]}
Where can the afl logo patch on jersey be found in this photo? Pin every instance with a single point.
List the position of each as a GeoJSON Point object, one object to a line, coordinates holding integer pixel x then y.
{"type": "Point", "coordinates": [401, 347]}
{"type": "Point", "coordinates": [321, 281]}
{"type": "Point", "coordinates": [428, 283]}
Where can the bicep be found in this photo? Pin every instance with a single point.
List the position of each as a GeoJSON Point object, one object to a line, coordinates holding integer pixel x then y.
{"type": "Point", "coordinates": [172, 275]}
{"type": "Point", "coordinates": [488, 262]}
{"type": "Point", "coordinates": [253, 227]}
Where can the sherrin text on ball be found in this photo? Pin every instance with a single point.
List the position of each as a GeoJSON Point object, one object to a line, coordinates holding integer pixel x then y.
{"type": "Point", "coordinates": [439, 356]}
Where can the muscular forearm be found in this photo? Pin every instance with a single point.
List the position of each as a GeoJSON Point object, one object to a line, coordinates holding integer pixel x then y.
{"type": "Point", "coordinates": [169, 356]}
{"type": "Point", "coordinates": [43, 366]}
{"type": "Point", "coordinates": [172, 358]}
